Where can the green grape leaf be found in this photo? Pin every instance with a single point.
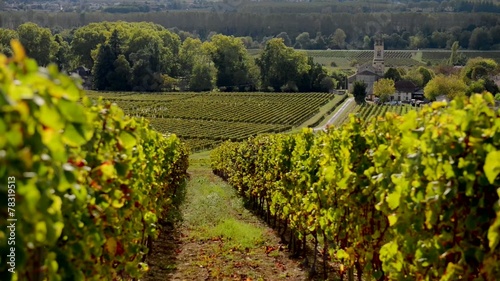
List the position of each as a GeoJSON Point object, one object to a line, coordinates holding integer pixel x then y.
{"type": "Point", "coordinates": [494, 234]}
{"type": "Point", "coordinates": [72, 111]}
{"type": "Point", "coordinates": [127, 139]}
{"type": "Point", "coordinates": [73, 136]}
{"type": "Point", "coordinates": [492, 165]}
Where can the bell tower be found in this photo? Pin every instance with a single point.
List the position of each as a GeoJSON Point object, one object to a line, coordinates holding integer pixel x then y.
{"type": "Point", "coordinates": [378, 56]}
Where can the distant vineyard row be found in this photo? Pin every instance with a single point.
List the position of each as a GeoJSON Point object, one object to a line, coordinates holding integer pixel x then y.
{"type": "Point", "coordinates": [206, 119]}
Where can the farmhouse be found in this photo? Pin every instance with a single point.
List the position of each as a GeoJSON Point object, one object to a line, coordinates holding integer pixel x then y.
{"type": "Point", "coordinates": [85, 75]}
{"type": "Point", "coordinates": [407, 90]}
{"type": "Point", "coordinates": [370, 73]}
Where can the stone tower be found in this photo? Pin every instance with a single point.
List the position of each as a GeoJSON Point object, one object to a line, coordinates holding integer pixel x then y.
{"type": "Point", "coordinates": [378, 56]}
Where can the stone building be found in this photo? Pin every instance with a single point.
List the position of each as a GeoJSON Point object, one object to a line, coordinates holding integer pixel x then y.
{"type": "Point", "coordinates": [370, 73]}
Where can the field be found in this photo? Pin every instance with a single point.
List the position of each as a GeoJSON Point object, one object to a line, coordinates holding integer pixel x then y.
{"type": "Point", "coordinates": [367, 111]}
{"type": "Point", "coordinates": [393, 58]}
{"type": "Point", "coordinates": [206, 119]}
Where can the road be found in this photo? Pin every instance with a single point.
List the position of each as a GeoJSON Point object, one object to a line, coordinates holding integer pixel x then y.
{"type": "Point", "coordinates": [337, 114]}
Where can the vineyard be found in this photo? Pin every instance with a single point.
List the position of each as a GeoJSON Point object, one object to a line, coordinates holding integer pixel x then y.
{"type": "Point", "coordinates": [411, 197]}
{"type": "Point", "coordinates": [366, 111]}
{"type": "Point", "coordinates": [206, 119]}
{"type": "Point", "coordinates": [86, 183]}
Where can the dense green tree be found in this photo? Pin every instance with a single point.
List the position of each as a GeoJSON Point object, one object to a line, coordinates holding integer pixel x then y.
{"type": "Point", "coordinates": [116, 43]}
{"type": "Point", "coordinates": [62, 53]}
{"type": "Point", "coordinates": [480, 39]}
{"type": "Point", "coordinates": [449, 86]}
{"type": "Point", "coordinates": [103, 67]}
{"type": "Point", "coordinates": [393, 73]}
{"type": "Point", "coordinates": [426, 73]}
{"type": "Point", "coordinates": [119, 79]}
{"type": "Point", "coordinates": [311, 81]}
{"type": "Point", "coordinates": [418, 41]}
{"type": "Point", "coordinates": [319, 42]}
{"type": "Point", "coordinates": [85, 40]}
{"type": "Point", "coordinates": [478, 68]}
{"type": "Point", "coordinates": [367, 42]}
{"type": "Point", "coordinates": [337, 40]}
{"type": "Point", "coordinates": [479, 71]}
{"type": "Point", "coordinates": [304, 40]}
{"type": "Point", "coordinates": [189, 54]}
{"type": "Point", "coordinates": [37, 41]}
{"type": "Point", "coordinates": [280, 65]}
{"type": "Point", "coordinates": [456, 58]}
{"type": "Point", "coordinates": [6, 35]}
{"type": "Point", "coordinates": [232, 61]}
{"type": "Point", "coordinates": [203, 77]}
{"type": "Point", "coordinates": [359, 92]}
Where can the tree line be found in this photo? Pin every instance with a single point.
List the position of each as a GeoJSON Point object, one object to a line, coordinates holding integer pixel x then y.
{"type": "Point", "coordinates": [147, 57]}
{"type": "Point", "coordinates": [404, 30]}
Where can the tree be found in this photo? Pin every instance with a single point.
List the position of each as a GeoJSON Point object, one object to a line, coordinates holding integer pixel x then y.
{"type": "Point", "coordinates": [392, 74]}
{"type": "Point", "coordinates": [480, 39]}
{"type": "Point", "coordinates": [359, 92]}
{"type": "Point", "coordinates": [478, 68]}
{"type": "Point", "coordinates": [85, 40]}
{"type": "Point", "coordinates": [116, 43]}
{"type": "Point", "coordinates": [232, 61]}
{"type": "Point", "coordinates": [119, 79]}
{"type": "Point", "coordinates": [454, 55]}
{"type": "Point", "coordinates": [103, 67]}
{"type": "Point", "coordinates": [319, 42]}
{"type": "Point", "coordinates": [37, 41]}
{"type": "Point", "coordinates": [189, 54]}
{"type": "Point", "coordinates": [286, 38]}
{"type": "Point", "coordinates": [6, 35]}
{"type": "Point", "coordinates": [383, 89]}
{"type": "Point", "coordinates": [280, 65]}
{"type": "Point", "coordinates": [338, 39]}
{"type": "Point", "coordinates": [203, 77]}
{"type": "Point", "coordinates": [62, 55]}
{"type": "Point", "coordinates": [328, 84]}
{"type": "Point", "coordinates": [304, 40]}
{"type": "Point", "coordinates": [310, 81]}
{"type": "Point", "coordinates": [449, 86]}
{"type": "Point", "coordinates": [481, 70]}
{"type": "Point", "coordinates": [426, 73]}
{"type": "Point", "coordinates": [367, 42]}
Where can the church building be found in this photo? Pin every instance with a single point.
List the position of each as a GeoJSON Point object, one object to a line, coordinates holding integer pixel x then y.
{"type": "Point", "coordinates": [369, 73]}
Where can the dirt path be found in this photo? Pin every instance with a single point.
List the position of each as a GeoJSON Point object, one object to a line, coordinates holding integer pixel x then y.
{"type": "Point", "coordinates": [214, 237]}
{"type": "Point", "coordinates": [337, 114]}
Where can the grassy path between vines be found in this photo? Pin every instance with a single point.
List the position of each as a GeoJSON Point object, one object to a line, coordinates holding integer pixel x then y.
{"type": "Point", "coordinates": [212, 236]}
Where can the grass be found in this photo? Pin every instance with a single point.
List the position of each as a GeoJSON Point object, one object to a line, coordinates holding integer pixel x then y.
{"type": "Point", "coordinates": [212, 211]}
{"type": "Point", "coordinates": [217, 237]}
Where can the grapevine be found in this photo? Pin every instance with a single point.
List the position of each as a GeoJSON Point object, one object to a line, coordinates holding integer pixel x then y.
{"type": "Point", "coordinates": [91, 182]}
{"type": "Point", "coordinates": [411, 197]}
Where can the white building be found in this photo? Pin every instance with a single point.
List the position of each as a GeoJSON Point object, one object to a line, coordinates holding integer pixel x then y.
{"type": "Point", "coordinates": [370, 73]}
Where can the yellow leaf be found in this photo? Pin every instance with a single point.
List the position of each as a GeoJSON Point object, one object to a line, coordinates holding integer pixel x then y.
{"type": "Point", "coordinates": [392, 219]}
{"type": "Point", "coordinates": [18, 50]}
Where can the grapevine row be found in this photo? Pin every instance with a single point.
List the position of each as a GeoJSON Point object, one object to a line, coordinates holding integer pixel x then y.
{"type": "Point", "coordinates": [399, 198]}
{"type": "Point", "coordinates": [90, 182]}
